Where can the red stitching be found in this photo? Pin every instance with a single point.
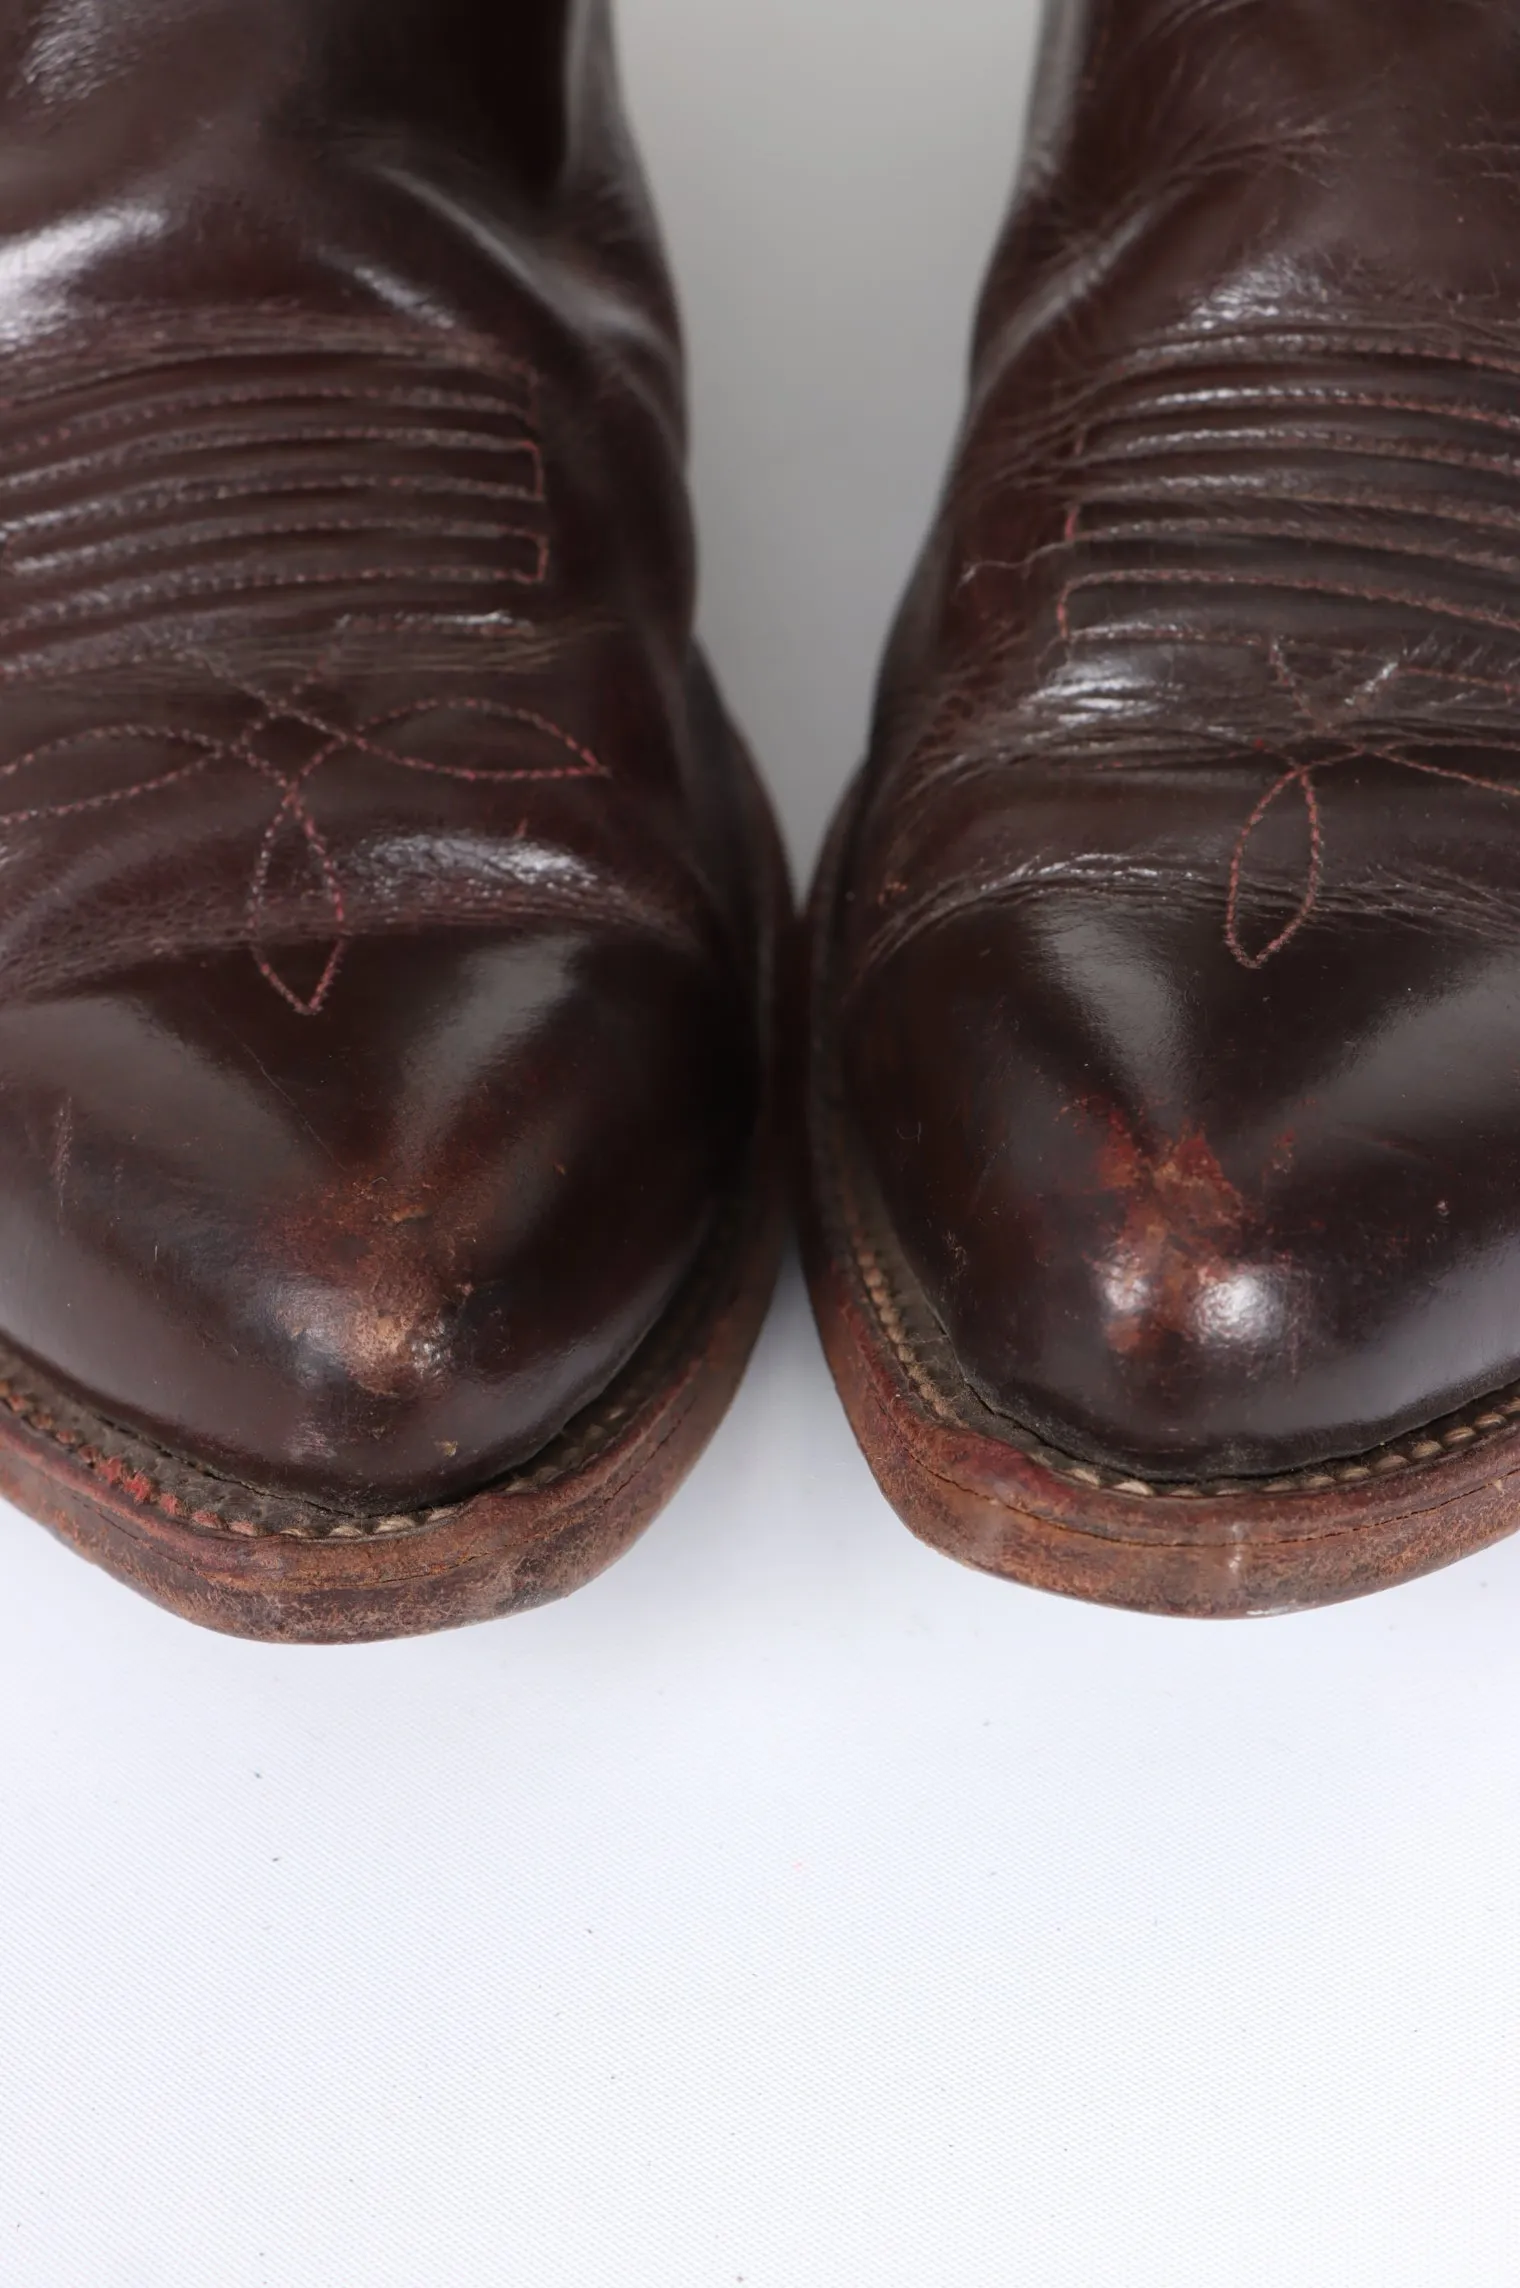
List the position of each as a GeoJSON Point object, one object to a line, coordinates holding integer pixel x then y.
{"type": "Point", "coordinates": [292, 806]}
{"type": "Point", "coordinates": [110, 731]}
{"type": "Point", "coordinates": [591, 766]}
{"type": "Point", "coordinates": [1162, 529]}
{"type": "Point", "coordinates": [1209, 639]}
{"type": "Point", "coordinates": [206, 442]}
{"type": "Point", "coordinates": [1183, 349]}
{"type": "Point", "coordinates": [177, 492]}
{"type": "Point", "coordinates": [1223, 397]}
{"type": "Point", "coordinates": [1302, 776]}
{"type": "Point", "coordinates": [210, 749]}
{"type": "Point", "coordinates": [195, 590]}
{"type": "Point", "coordinates": [1185, 577]}
{"type": "Point", "coordinates": [410, 399]}
{"type": "Point", "coordinates": [37, 563]}
{"type": "Point", "coordinates": [1351, 444]}
{"type": "Point", "coordinates": [1165, 494]}
{"type": "Point", "coordinates": [226, 342]}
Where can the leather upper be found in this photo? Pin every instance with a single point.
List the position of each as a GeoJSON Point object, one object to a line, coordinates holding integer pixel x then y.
{"type": "Point", "coordinates": [1178, 974]}
{"type": "Point", "coordinates": [378, 932]}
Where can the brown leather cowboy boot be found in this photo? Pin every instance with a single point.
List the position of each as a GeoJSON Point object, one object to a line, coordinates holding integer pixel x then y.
{"type": "Point", "coordinates": [1166, 1090]}
{"type": "Point", "coordinates": [388, 910]}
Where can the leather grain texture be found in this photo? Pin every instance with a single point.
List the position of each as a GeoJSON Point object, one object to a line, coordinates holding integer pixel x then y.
{"type": "Point", "coordinates": [1172, 968]}
{"type": "Point", "coordinates": [388, 916]}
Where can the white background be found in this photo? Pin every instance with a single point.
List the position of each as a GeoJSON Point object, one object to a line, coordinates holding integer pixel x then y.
{"type": "Point", "coordinates": [790, 1908]}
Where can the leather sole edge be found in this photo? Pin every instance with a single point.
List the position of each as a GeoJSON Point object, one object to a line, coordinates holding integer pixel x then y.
{"type": "Point", "coordinates": [547, 1531]}
{"type": "Point", "coordinates": [1203, 1552]}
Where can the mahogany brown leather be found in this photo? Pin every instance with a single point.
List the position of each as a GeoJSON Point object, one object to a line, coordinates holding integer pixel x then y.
{"type": "Point", "coordinates": [1174, 968]}
{"type": "Point", "coordinates": [379, 1029]}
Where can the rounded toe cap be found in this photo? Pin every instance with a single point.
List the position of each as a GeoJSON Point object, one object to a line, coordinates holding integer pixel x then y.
{"type": "Point", "coordinates": [1223, 1245]}
{"type": "Point", "coordinates": [379, 1257]}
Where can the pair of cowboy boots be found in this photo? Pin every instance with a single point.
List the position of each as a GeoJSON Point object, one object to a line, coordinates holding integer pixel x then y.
{"type": "Point", "coordinates": [394, 938]}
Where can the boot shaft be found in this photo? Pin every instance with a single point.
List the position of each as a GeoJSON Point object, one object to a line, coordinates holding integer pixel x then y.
{"type": "Point", "coordinates": [1191, 164]}
{"type": "Point", "coordinates": [521, 80]}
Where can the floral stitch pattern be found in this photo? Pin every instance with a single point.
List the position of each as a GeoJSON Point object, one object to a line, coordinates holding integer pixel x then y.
{"type": "Point", "coordinates": [1242, 466]}
{"type": "Point", "coordinates": [291, 787]}
{"type": "Point", "coordinates": [237, 460]}
{"type": "Point", "coordinates": [1300, 777]}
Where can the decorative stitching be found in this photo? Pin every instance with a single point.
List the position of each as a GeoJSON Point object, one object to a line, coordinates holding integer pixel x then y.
{"type": "Point", "coordinates": [1301, 776]}
{"type": "Point", "coordinates": [190, 536]}
{"type": "Point", "coordinates": [292, 808]}
{"type": "Point", "coordinates": [124, 495]}
{"type": "Point", "coordinates": [1483, 1421]}
{"type": "Point", "coordinates": [273, 394]}
{"type": "Point", "coordinates": [1109, 429]}
{"type": "Point", "coordinates": [487, 412]}
{"type": "Point", "coordinates": [193, 589]}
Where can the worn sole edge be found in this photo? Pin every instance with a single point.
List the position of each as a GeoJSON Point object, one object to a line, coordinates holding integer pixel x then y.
{"type": "Point", "coordinates": [526, 1541]}
{"type": "Point", "coordinates": [505, 1550]}
{"type": "Point", "coordinates": [1198, 1552]}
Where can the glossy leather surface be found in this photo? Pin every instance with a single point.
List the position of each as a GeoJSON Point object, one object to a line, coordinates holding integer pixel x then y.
{"type": "Point", "coordinates": [378, 994]}
{"type": "Point", "coordinates": [1178, 966]}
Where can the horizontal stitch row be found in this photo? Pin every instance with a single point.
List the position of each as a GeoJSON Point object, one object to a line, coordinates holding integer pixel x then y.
{"type": "Point", "coordinates": [147, 595]}
{"type": "Point", "coordinates": [174, 493]}
{"type": "Point", "coordinates": [1334, 444]}
{"type": "Point", "coordinates": [1405, 345]}
{"type": "Point", "coordinates": [1310, 392]}
{"type": "Point", "coordinates": [176, 403]}
{"type": "Point", "coordinates": [1280, 487]}
{"type": "Point", "coordinates": [228, 338]}
{"type": "Point", "coordinates": [39, 563]}
{"type": "Point", "coordinates": [1357, 541]}
{"type": "Point", "coordinates": [205, 444]}
{"type": "Point", "coordinates": [1174, 577]}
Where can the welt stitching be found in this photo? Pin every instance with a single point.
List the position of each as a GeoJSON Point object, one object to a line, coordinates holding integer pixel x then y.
{"type": "Point", "coordinates": [571, 1451]}
{"type": "Point", "coordinates": [1260, 1544]}
{"type": "Point", "coordinates": [1501, 1411]}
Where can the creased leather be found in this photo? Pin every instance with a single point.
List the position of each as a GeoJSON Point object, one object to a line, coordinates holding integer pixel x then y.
{"type": "Point", "coordinates": [378, 993]}
{"type": "Point", "coordinates": [1179, 971]}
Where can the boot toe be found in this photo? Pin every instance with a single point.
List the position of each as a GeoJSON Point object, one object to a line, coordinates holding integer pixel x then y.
{"type": "Point", "coordinates": [378, 1259]}
{"type": "Point", "coordinates": [1243, 1241]}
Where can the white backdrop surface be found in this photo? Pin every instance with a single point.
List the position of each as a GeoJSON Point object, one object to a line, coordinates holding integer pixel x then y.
{"type": "Point", "coordinates": [790, 1909]}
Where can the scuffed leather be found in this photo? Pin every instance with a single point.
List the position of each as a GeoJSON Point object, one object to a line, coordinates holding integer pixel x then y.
{"type": "Point", "coordinates": [378, 939]}
{"type": "Point", "coordinates": [1178, 966]}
